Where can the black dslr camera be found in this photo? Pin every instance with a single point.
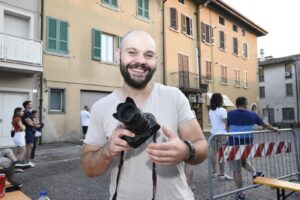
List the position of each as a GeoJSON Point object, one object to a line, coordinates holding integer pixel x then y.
{"type": "Point", "coordinates": [142, 124]}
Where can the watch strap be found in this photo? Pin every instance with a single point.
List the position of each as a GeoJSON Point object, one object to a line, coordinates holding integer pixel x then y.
{"type": "Point", "coordinates": [192, 149]}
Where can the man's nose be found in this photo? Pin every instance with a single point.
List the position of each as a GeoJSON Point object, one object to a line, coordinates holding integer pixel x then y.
{"type": "Point", "coordinates": [140, 58]}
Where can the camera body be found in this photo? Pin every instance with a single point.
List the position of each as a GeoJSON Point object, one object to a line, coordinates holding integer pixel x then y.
{"type": "Point", "coordinates": [144, 125]}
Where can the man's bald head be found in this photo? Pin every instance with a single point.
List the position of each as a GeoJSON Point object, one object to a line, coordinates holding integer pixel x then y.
{"type": "Point", "coordinates": [137, 36]}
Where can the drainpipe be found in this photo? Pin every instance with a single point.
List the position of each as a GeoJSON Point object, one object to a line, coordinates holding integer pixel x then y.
{"type": "Point", "coordinates": [198, 43]}
{"type": "Point", "coordinates": [297, 92]}
{"type": "Point", "coordinates": [41, 74]}
{"type": "Point", "coordinates": [163, 38]}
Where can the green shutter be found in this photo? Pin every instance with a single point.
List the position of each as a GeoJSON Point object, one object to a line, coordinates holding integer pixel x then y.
{"type": "Point", "coordinates": [63, 40]}
{"type": "Point", "coordinates": [51, 34]}
{"type": "Point", "coordinates": [105, 1]}
{"type": "Point", "coordinates": [119, 41]}
{"type": "Point", "coordinates": [96, 44]}
{"type": "Point", "coordinates": [114, 3]}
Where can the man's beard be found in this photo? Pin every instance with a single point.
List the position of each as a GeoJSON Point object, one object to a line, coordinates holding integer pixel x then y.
{"type": "Point", "coordinates": [137, 84]}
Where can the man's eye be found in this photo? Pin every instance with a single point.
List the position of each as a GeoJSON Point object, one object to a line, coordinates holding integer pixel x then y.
{"type": "Point", "coordinates": [149, 56]}
{"type": "Point", "coordinates": [131, 52]}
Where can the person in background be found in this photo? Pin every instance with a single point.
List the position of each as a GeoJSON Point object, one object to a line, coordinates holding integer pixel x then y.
{"type": "Point", "coordinates": [19, 137]}
{"type": "Point", "coordinates": [218, 120]}
{"type": "Point", "coordinates": [7, 165]}
{"type": "Point", "coordinates": [36, 131]}
{"type": "Point", "coordinates": [84, 119]}
{"type": "Point", "coordinates": [243, 120]}
{"type": "Point", "coordinates": [29, 131]}
{"type": "Point", "coordinates": [154, 170]}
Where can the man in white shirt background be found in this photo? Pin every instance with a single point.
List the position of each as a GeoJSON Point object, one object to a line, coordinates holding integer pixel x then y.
{"type": "Point", "coordinates": [84, 119]}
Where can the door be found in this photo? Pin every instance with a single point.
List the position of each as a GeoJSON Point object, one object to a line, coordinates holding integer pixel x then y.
{"type": "Point", "coordinates": [8, 102]}
{"type": "Point", "coordinates": [88, 98]}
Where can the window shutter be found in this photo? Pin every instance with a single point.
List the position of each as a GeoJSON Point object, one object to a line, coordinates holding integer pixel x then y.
{"type": "Point", "coordinates": [140, 8]}
{"type": "Point", "coordinates": [63, 39]}
{"type": "Point", "coordinates": [224, 40]}
{"type": "Point", "coordinates": [203, 31]}
{"type": "Point", "coordinates": [183, 23]}
{"type": "Point", "coordinates": [51, 34]}
{"type": "Point", "coordinates": [114, 3]}
{"type": "Point", "coordinates": [212, 34]}
{"type": "Point", "coordinates": [173, 18]}
{"type": "Point", "coordinates": [191, 26]}
{"type": "Point", "coordinates": [119, 41]}
{"type": "Point", "coordinates": [96, 44]}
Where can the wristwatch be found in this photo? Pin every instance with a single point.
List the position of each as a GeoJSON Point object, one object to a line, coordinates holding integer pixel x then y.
{"type": "Point", "coordinates": [191, 148]}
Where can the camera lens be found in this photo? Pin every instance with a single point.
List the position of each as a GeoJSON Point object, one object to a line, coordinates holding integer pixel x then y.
{"type": "Point", "coordinates": [128, 113]}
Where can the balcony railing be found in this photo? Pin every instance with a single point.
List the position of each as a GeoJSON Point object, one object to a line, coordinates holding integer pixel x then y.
{"type": "Point", "coordinates": [187, 80]}
{"type": "Point", "coordinates": [17, 49]}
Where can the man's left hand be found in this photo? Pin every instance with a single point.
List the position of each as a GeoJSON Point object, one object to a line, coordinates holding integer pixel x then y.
{"type": "Point", "coordinates": [168, 153]}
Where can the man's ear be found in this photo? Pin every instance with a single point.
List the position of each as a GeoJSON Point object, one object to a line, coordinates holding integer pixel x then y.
{"type": "Point", "coordinates": [117, 55]}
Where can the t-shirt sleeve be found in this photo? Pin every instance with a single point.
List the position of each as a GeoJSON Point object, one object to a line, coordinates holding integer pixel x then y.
{"type": "Point", "coordinates": [257, 119]}
{"type": "Point", "coordinates": [223, 113]}
{"type": "Point", "coordinates": [184, 109]}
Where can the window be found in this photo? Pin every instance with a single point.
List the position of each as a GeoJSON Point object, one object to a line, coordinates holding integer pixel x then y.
{"type": "Point", "coordinates": [235, 28]}
{"type": "Point", "coordinates": [243, 32]}
{"type": "Point", "coordinates": [262, 92]}
{"type": "Point", "coordinates": [186, 25]}
{"type": "Point", "coordinates": [221, 20]}
{"type": "Point", "coordinates": [235, 46]}
{"type": "Point", "coordinates": [173, 19]}
{"type": "Point", "coordinates": [143, 8]}
{"type": "Point", "coordinates": [183, 68]}
{"type": "Point", "coordinates": [245, 50]}
{"type": "Point", "coordinates": [246, 79]}
{"type": "Point", "coordinates": [111, 3]}
{"type": "Point", "coordinates": [237, 78]}
{"type": "Point", "coordinates": [289, 89]}
{"type": "Point", "coordinates": [207, 33]}
{"type": "Point", "coordinates": [104, 46]}
{"type": "Point", "coordinates": [208, 71]}
{"type": "Point", "coordinates": [57, 100]}
{"type": "Point", "coordinates": [288, 114]}
{"type": "Point", "coordinates": [181, 1]}
{"type": "Point", "coordinates": [224, 78]}
{"type": "Point", "coordinates": [222, 40]}
{"type": "Point", "coordinates": [261, 75]}
{"type": "Point", "coordinates": [288, 70]}
{"type": "Point", "coordinates": [57, 36]}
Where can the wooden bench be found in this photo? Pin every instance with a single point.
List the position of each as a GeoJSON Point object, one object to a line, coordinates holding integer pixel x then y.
{"type": "Point", "coordinates": [279, 185]}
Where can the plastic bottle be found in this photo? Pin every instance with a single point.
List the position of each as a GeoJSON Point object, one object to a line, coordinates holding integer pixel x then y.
{"type": "Point", "coordinates": [44, 196]}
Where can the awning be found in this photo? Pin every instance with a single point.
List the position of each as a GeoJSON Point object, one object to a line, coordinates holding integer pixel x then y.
{"type": "Point", "coordinates": [227, 101]}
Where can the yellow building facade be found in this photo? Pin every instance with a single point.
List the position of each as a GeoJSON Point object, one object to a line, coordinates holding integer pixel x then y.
{"type": "Point", "coordinates": [202, 47]}
{"type": "Point", "coordinates": [80, 38]}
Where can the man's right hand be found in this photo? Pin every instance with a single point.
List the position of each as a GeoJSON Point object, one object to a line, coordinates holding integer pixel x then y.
{"type": "Point", "coordinates": [116, 144]}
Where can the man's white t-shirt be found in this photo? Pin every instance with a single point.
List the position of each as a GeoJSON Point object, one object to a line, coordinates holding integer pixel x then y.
{"type": "Point", "coordinates": [171, 109]}
{"type": "Point", "coordinates": [217, 120]}
{"type": "Point", "coordinates": [84, 117]}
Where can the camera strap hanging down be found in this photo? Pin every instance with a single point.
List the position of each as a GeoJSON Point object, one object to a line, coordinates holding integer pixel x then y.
{"type": "Point", "coordinates": [154, 177]}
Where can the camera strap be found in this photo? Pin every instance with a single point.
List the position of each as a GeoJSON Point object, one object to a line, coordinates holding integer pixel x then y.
{"type": "Point", "coordinates": [154, 176]}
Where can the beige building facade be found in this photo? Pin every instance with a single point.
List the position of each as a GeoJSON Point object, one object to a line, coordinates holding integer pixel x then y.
{"type": "Point", "coordinates": [80, 39]}
{"type": "Point", "coordinates": [228, 55]}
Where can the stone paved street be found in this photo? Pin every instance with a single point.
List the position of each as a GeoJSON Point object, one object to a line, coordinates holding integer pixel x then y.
{"type": "Point", "coordinates": [58, 170]}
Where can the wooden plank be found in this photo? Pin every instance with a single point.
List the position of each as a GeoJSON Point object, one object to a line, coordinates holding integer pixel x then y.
{"type": "Point", "coordinates": [277, 183]}
{"type": "Point", "coordinates": [15, 195]}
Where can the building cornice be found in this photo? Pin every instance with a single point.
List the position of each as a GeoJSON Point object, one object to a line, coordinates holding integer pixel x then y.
{"type": "Point", "coordinates": [223, 8]}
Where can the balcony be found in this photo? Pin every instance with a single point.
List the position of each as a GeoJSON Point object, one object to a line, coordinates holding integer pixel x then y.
{"type": "Point", "coordinates": [188, 82]}
{"type": "Point", "coordinates": [20, 54]}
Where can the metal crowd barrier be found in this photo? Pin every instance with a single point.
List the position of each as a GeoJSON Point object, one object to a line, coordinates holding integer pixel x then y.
{"type": "Point", "coordinates": [273, 153]}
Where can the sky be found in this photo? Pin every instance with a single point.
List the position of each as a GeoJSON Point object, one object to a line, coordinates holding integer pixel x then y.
{"type": "Point", "coordinates": [279, 18]}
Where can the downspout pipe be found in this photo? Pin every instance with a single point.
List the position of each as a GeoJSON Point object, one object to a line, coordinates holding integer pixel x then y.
{"type": "Point", "coordinates": [163, 44]}
{"type": "Point", "coordinates": [41, 74]}
{"type": "Point", "coordinates": [198, 43]}
{"type": "Point", "coordinates": [296, 65]}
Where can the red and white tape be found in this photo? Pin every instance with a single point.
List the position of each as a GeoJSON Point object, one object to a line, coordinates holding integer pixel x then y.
{"type": "Point", "coordinates": [227, 153]}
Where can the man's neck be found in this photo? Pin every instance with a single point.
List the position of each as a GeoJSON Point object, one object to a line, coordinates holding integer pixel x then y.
{"type": "Point", "coordinates": [139, 96]}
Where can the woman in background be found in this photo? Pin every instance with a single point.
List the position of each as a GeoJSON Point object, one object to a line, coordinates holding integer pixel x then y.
{"type": "Point", "coordinates": [218, 119]}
